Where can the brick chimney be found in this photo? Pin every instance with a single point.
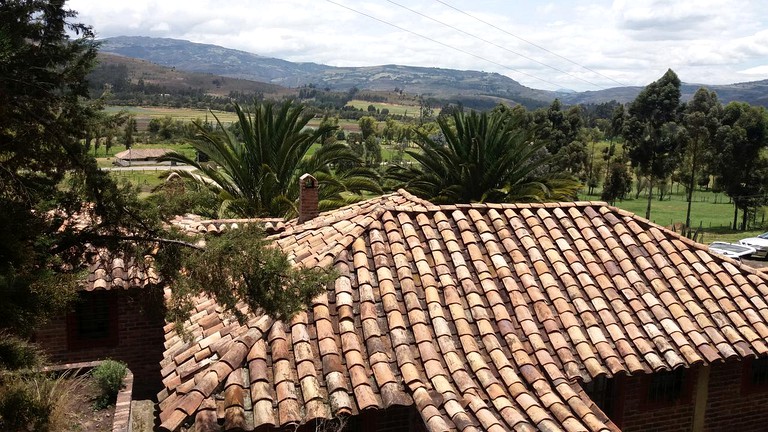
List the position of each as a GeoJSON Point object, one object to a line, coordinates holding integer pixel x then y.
{"type": "Point", "coordinates": [308, 198]}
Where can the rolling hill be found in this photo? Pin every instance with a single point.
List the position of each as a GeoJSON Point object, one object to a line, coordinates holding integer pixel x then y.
{"type": "Point", "coordinates": [113, 68]}
{"type": "Point", "coordinates": [479, 87]}
{"type": "Point", "coordinates": [436, 82]}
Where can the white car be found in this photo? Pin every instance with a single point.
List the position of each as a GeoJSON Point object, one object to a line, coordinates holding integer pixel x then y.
{"type": "Point", "coordinates": [736, 251]}
{"type": "Point", "coordinates": [760, 243]}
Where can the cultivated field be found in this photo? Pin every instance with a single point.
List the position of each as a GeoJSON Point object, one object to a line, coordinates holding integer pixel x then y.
{"type": "Point", "coordinates": [405, 110]}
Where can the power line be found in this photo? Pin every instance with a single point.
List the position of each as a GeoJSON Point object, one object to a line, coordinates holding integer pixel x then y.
{"type": "Point", "coordinates": [441, 43]}
{"type": "Point", "coordinates": [494, 44]}
{"type": "Point", "coordinates": [529, 42]}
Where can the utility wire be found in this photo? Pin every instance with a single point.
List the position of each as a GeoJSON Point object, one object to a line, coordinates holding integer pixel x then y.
{"type": "Point", "coordinates": [441, 43]}
{"type": "Point", "coordinates": [529, 42]}
{"type": "Point", "coordinates": [494, 44]}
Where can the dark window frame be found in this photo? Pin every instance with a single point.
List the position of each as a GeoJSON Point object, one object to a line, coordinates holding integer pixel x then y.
{"type": "Point", "coordinates": [93, 323]}
{"type": "Point", "coordinates": [754, 375]}
{"type": "Point", "coordinates": [678, 381]}
{"type": "Point", "coordinates": [609, 398]}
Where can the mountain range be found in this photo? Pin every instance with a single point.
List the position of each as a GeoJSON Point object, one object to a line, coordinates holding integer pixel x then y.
{"type": "Point", "coordinates": [439, 83]}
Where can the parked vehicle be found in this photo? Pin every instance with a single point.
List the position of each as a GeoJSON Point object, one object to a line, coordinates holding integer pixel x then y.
{"type": "Point", "coordinates": [731, 250]}
{"type": "Point", "coordinates": [760, 243]}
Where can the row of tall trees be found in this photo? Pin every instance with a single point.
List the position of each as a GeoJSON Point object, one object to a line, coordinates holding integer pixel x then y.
{"type": "Point", "coordinates": [696, 141]}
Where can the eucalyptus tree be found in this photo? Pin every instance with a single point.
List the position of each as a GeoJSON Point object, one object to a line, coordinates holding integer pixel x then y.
{"type": "Point", "coordinates": [741, 165]}
{"type": "Point", "coordinates": [482, 157]}
{"type": "Point", "coordinates": [651, 135]}
{"type": "Point", "coordinates": [257, 174]}
{"type": "Point", "coordinates": [701, 120]}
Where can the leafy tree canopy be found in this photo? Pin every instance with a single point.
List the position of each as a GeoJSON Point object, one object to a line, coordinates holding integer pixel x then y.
{"type": "Point", "coordinates": [47, 176]}
{"type": "Point", "coordinates": [651, 135]}
{"type": "Point", "coordinates": [742, 169]}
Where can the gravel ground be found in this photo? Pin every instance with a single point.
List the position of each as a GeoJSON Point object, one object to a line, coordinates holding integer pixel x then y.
{"type": "Point", "coordinates": [143, 415]}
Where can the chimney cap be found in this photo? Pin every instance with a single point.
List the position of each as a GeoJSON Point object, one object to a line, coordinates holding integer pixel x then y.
{"type": "Point", "coordinates": [308, 180]}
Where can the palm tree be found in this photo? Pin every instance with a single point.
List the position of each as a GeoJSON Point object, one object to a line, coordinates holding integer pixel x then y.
{"type": "Point", "coordinates": [485, 158]}
{"type": "Point", "coordinates": [258, 175]}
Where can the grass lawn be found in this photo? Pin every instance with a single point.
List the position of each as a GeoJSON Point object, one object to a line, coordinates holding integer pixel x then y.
{"type": "Point", "coordinates": [144, 180]}
{"type": "Point", "coordinates": [711, 211]}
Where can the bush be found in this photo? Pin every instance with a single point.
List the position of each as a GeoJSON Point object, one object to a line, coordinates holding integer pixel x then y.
{"type": "Point", "coordinates": [16, 353]}
{"type": "Point", "coordinates": [36, 401]}
{"type": "Point", "coordinates": [109, 377]}
{"type": "Point", "coordinates": [20, 409]}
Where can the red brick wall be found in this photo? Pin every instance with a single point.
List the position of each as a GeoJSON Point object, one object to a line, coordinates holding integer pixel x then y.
{"type": "Point", "coordinates": [139, 345]}
{"type": "Point", "coordinates": [729, 406]}
{"type": "Point", "coordinates": [639, 416]}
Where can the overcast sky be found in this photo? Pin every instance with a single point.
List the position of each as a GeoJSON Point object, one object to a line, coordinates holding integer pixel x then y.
{"type": "Point", "coordinates": [573, 44]}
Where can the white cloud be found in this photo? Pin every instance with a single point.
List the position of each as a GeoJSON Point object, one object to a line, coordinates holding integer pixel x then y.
{"type": "Point", "coordinates": [757, 70]}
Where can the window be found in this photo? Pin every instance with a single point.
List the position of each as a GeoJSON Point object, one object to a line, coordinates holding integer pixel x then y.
{"type": "Point", "coordinates": [667, 388]}
{"type": "Point", "coordinates": [759, 372]}
{"type": "Point", "coordinates": [93, 323]}
{"type": "Point", "coordinates": [755, 375]}
{"type": "Point", "coordinates": [608, 395]}
{"type": "Point", "coordinates": [600, 390]}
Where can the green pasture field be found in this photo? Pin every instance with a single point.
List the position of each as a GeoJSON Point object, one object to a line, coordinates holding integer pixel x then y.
{"type": "Point", "coordinates": [184, 114]}
{"type": "Point", "coordinates": [711, 211]}
{"type": "Point", "coordinates": [406, 110]}
{"type": "Point", "coordinates": [344, 124]}
{"type": "Point", "coordinates": [146, 181]}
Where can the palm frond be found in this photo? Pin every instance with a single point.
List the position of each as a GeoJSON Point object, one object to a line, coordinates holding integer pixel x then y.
{"type": "Point", "coordinates": [486, 157]}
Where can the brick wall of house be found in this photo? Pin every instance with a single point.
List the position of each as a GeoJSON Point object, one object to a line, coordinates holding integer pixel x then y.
{"type": "Point", "coordinates": [638, 416]}
{"type": "Point", "coordinates": [139, 339]}
{"type": "Point", "coordinates": [732, 404]}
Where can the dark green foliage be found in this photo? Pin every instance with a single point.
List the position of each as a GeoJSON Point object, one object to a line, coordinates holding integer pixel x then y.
{"type": "Point", "coordinates": [109, 377]}
{"type": "Point", "coordinates": [651, 134]}
{"type": "Point", "coordinates": [47, 173]}
{"type": "Point", "coordinates": [238, 268]}
{"type": "Point", "coordinates": [701, 120]}
{"type": "Point", "coordinates": [256, 172]}
{"type": "Point", "coordinates": [487, 157]}
{"type": "Point", "coordinates": [178, 196]}
{"type": "Point", "coordinates": [21, 409]}
{"type": "Point", "coordinates": [17, 353]}
{"type": "Point", "coordinates": [42, 72]}
{"type": "Point", "coordinates": [368, 126]}
{"type": "Point", "coordinates": [742, 169]}
{"type": "Point", "coordinates": [618, 182]}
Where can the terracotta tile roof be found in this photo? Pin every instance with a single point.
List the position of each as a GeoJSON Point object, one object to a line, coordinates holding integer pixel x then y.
{"type": "Point", "coordinates": [195, 224]}
{"type": "Point", "coordinates": [485, 317]}
{"type": "Point", "coordinates": [107, 271]}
